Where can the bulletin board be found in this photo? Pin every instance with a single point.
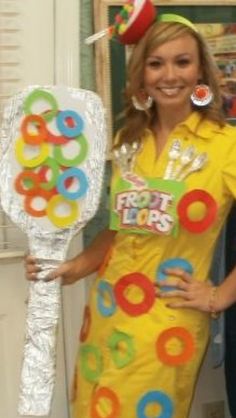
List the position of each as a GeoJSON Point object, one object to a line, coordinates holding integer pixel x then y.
{"type": "Point", "coordinates": [111, 56]}
{"type": "Point", "coordinates": [111, 59]}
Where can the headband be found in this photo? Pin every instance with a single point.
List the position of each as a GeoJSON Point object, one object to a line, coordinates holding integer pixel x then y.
{"type": "Point", "coordinates": [171, 17]}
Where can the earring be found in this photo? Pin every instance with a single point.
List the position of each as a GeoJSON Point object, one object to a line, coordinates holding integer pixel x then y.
{"type": "Point", "coordinates": [145, 105]}
{"type": "Point", "coordinates": [202, 95]}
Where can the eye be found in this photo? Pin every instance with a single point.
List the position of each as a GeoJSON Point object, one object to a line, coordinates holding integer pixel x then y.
{"type": "Point", "coordinates": [183, 62]}
{"type": "Point", "coordinates": [154, 63]}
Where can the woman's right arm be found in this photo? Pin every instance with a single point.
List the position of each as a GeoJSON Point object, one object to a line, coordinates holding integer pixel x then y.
{"type": "Point", "coordinates": [82, 265]}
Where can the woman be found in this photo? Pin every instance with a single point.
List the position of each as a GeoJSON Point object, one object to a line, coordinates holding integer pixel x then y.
{"type": "Point", "coordinates": [172, 188]}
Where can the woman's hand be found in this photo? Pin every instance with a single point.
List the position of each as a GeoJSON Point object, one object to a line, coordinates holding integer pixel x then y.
{"type": "Point", "coordinates": [194, 293]}
{"type": "Point", "coordinates": [70, 271]}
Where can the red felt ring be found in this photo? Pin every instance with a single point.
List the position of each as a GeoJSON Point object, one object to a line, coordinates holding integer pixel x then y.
{"type": "Point", "coordinates": [188, 349]}
{"type": "Point", "coordinates": [28, 203]}
{"type": "Point", "coordinates": [42, 175]}
{"type": "Point", "coordinates": [104, 392]}
{"type": "Point", "coordinates": [141, 281]}
{"type": "Point", "coordinates": [56, 139]}
{"type": "Point", "coordinates": [39, 122]}
{"type": "Point", "coordinates": [59, 139]}
{"type": "Point", "coordinates": [86, 324]}
{"type": "Point", "coordinates": [27, 175]}
{"type": "Point", "coordinates": [197, 195]}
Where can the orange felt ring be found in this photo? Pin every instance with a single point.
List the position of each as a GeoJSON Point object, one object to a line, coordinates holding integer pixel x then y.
{"type": "Point", "coordinates": [39, 124]}
{"type": "Point", "coordinates": [104, 392]}
{"type": "Point", "coordinates": [183, 335]}
{"type": "Point", "coordinates": [29, 200]}
{"type": "Point", "coordinates": [27, 175]}
{"type": "Point", "coordinates": [86, 324]}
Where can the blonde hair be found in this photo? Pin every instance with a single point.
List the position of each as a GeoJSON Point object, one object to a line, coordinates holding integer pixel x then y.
{"type": "Point", "coordinates": [136, 122]}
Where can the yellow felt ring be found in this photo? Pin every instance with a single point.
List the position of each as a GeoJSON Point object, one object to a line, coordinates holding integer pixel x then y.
{"type": "Point", "coordinates": [44, 95]}
{"type": "Point", "coordinates": [30, 162]}
{"type": "Point", "coordinates": [172, 17]}
{"type": "Point", "coordinates": [62, 221]}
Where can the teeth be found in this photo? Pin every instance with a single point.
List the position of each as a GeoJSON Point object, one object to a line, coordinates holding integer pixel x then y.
{"type": "Point", "coordinates": [170, 91]}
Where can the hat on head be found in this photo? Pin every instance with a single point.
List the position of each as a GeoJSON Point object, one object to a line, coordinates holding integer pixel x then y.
{"type": "Point", "coordinates": [134, 18]}
{"type": "Point", "coordinates": [129, 30]}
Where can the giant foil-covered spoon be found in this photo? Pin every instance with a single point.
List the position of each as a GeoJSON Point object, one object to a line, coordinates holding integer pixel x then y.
{"type": "Point", "coordinates": [53, 144]}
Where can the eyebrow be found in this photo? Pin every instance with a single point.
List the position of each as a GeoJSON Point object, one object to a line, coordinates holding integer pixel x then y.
{"type": "Point", "coordinates": [182, 55]}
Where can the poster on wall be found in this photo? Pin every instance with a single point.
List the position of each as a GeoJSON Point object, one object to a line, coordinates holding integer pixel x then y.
{"type": "Point", "coordinates": [221, 38]}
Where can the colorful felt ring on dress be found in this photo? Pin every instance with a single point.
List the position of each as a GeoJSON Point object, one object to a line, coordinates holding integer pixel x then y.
{"type": "Point", "coordinates": [86, 324]}
{"type": "Point", "coordinates": [91, 372]}
{"type": "Point", "coordinates": [197, 195]}
{"type": "Point", "coordinates": [78, 159]}
{"type": "Point", "coordinates": [159, 398]}
{"type": "Point", "coordinates": [30, 162]}
{"type": "Point", "coordinates": [113, 401]}
{"type": "Point", "coordinates": [63, 126]}
{"type": "Point", "coordinates": [62, 221]}
{"type": "Point", "coordinates": [39, 124]}
{"type": "Point", "coordinates": [77, 173]}
{"type": "Point", "coordinates": [121, 358]}
{"type": "Point", "coordinates": [33, 182]}
{"type": "Point", "coordinates": [188, 346]}
{"type": "Point", "coordinates": [41, 95]}
{"type": "Point", "coordinates": [104, 288]}
{"type": "Point", "coordinates": [172, 263]}
{"type": "Point", "coordinates": [142, 282]}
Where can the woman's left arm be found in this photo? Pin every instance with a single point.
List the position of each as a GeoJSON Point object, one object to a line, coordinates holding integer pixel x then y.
{"type": "Point", "coordinates": [203, 296]}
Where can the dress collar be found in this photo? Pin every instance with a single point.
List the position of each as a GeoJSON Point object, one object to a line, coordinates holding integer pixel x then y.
{"type": "Point", "coordinates": [201, 127]}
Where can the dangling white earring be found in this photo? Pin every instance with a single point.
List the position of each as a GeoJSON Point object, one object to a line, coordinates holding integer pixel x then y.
{"type": "Point", "coordinates": [142, 105]}
{"type": "Point", "coordinates": [202, 95]}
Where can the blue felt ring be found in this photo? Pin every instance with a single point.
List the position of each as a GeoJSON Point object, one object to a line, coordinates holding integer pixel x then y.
{"type": "Point", "coordinates": [66, 130]}
{"type": "Point", "coordinates": [104, 287]}
{"type": "Point", "coordinates": [170, 264]}
{"type": "Point", "coordinates": [157, 397]}
{"type": "Point", "coordinates": [83, 183]}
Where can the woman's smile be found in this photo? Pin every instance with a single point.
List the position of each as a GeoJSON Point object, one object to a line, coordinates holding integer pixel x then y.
{"type": "Point", "coordinates": [171, 72]}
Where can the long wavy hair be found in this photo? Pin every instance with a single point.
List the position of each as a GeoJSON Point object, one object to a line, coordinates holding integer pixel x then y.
{"type": "Point", "coordinates": [135, 121]}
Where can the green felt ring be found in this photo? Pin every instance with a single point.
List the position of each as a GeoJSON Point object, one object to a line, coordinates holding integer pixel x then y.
{"type": "Point", "coordinates": [78, 159]}
{"type": "Point", "coordinates": [39, 94]}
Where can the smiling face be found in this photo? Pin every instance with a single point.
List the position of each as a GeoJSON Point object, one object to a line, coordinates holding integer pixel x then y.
{"type": "Point", "coordinates": [171, 72]}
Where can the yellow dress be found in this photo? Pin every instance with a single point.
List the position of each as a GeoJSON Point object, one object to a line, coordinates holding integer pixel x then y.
{"type": "Point", "coordinates": [137, 357]}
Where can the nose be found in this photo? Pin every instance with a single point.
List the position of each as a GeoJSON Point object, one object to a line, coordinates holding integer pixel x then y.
{"type": "Point", "coordinates": [170, 72]}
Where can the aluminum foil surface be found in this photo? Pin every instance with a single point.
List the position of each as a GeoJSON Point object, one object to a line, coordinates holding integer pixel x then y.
{"type": "Point", "coordinates": [48, 241]}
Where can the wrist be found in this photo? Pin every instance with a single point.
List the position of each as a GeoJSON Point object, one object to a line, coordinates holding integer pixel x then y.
{"type": "Point", "coordinates": [213, 303]}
